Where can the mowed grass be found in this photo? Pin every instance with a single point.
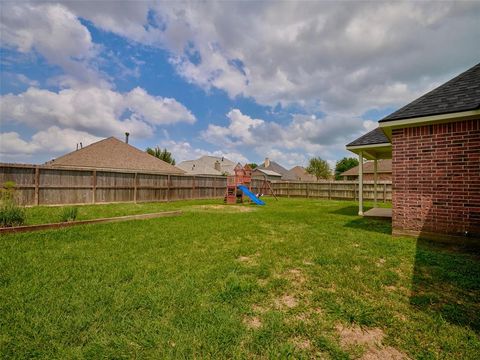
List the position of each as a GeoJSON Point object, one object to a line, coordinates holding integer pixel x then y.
{"type": "Point", "coordinates": [283, 280]}
{"type": "Point", "coordinates": [52, 214]}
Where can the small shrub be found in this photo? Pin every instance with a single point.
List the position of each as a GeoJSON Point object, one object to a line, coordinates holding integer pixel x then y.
{"type": "Point", "coordinates": [10, 213]}
{"type": "Point", "coordinates": [69, 214]}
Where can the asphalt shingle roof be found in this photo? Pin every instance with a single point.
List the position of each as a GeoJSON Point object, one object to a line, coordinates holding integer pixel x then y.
{"type": "Point", "coordinates": [375, 136]}
{"type": "Point", "coordinates": [462, 93]}
{"type": "Point", "coordinates": [205, 165]}
{"type": "Point", "coordinates": [112, 153]}
{"type": "Point", "coordinates": [383, 166]}
{"type": "Point", "coordinates": [274, 166]}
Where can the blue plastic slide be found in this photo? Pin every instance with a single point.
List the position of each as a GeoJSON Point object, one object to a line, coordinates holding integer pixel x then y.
{"type": "Point", "coordinates": [251, 195]}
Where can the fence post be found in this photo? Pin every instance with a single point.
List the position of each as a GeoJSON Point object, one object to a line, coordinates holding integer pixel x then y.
{"type": "Point", "coordinates": [168, 187]}
{"type": "Point", "coordinates": [135, 186]}
{"type": "Point", "coordinates": [94, 186]}
{"type": "Point", "coordinates": [214, 187]}
{"type": "Point", "coordinates": [384, 192]}
{"type": "Point", "coordinates": [193, 187]}
{"type": "Point", "coordinates": [354, 191]}
{"type": "Point", "coordinates": [306, 190]}
{"type": "Point", "coordinates": [288, 189]}
{"type": "Point", "coordinates": [329, 190]}
{"type": "Point", "coordinates": [37, 185]}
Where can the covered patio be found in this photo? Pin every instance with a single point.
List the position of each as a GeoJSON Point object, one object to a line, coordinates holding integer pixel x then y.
{"type": "Point", "coordinates": [372, 146]}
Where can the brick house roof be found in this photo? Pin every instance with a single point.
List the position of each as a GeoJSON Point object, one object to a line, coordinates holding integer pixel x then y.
{"type": "Point", "coordinates": [376, 136]}
{"type": "Point", "coordinates": [273, 166]}
{"type": "Point", "coordinates": [462, 93]}
{"type": "Point", "coordinates": [205, 165]}
{"type": "Point", "coordinates": [112, 153]}
{"type": "Point", "coordinates": [383, 166]}
{"type": "Point", "coordinates": [298, 173]}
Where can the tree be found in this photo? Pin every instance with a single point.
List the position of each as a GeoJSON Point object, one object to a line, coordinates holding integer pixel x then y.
{"type": "Point", "coordinates": [253, 165]}
{"type": "Point", "coordinates": [164, 154]}
{"type": "Point", "coordinates": [318, 168]}
{"type": "Point", "coordinates": [344, 165]}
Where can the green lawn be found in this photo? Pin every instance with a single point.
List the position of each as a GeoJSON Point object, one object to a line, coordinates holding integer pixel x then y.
{"type": "Point", "coordinates": [298, 278]}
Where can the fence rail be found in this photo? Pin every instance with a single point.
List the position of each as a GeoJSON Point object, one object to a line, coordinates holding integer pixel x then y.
{"type": "Point", "coordinates": [336, 190]}
{"type": "Point", "coordinates": [41, 185]}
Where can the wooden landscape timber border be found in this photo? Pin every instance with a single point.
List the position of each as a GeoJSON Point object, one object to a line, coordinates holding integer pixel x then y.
{"type": "Point", "coordinates": [39, 227]}
{"type": "Point", "coordinates": [49, 185]}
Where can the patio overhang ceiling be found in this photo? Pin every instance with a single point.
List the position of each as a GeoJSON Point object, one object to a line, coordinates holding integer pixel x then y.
{"type": "Point", "coordinates": [373, 151]}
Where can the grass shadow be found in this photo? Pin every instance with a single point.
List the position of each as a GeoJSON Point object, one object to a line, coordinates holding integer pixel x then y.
{"type": "Point", "coordinates": [446, 283]}
{"type": "Point", "coordinates": [348, 210]}
{"type": "Point", "coordinates": [381, 226]}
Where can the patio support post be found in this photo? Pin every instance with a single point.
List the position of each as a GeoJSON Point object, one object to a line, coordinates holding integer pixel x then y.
{"type": "Point", "coordinates": [360, 183]}
{"type": "Point", "coordinates": [375, 178]}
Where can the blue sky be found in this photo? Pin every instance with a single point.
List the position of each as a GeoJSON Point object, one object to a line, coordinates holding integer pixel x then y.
{"type": "Point", "coordinates": [250, 80]}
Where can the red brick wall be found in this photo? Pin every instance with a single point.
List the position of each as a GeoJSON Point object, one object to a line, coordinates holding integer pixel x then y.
{"type": "Point", "coordinates": [436, 178]}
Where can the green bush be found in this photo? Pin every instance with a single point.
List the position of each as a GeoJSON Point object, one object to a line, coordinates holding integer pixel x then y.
{"type": "Point", "coordinates": [69, 214]}
{"type": "Point", "coordinates": [10, 213]}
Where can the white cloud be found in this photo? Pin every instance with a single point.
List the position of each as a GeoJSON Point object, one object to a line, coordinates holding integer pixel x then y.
{"type": "Point", "coordinates": [339, 56]}
{"type": "Point", "coordinates": [12, 144]}
{"type": "Point", "coordinates": [344, 56]}
{"type": "Point", "coordinates": [303, 137]}
{"type": "Point", "coordinates": [183, 150]}
{"type": "Point", "coordinates": [99, 111]}
{"type": "Point", "coordinates": [50, 141]}
{"type": "Point", "coordinates": [54, 32]}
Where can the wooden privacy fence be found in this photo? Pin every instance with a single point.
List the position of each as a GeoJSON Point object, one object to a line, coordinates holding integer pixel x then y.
{"type": "Point", "coordinates": [41, 185]}
{"type": "Point", "coordinates": [338, 190]}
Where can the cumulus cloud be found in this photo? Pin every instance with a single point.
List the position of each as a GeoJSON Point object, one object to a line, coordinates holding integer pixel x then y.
{"type": "Point", "coordinates": [304, 135]}
{"type": "Point", "coordinates": [333, 56]}
{"type": "Point", "coordinates": [50, 141]}
{"type": "Point", "coordinates": [345, 56]}
{"type": "Point", "coordinates": [99, 111]}
{"type": "Point", "coordinates": [54, 32]}
{"type": "Point", "coordinates": [183, 150]}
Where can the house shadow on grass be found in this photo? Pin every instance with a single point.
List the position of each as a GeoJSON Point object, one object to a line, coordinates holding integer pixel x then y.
{"type": "Point", "coordinates": [382, 226]}
{"type": "Point", "coordinates": [446, 282]}
{"type": "Point", "coordinates": [347, 210]}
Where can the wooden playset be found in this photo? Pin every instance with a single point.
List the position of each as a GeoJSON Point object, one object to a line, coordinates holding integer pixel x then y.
{"type": "Point", "coordinates": [243, 176]}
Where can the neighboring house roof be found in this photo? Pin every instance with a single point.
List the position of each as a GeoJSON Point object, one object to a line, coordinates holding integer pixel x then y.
{"type": "Point", "coordinates": [205, 165]}
{"type": "Point", "coordinates": [383, 166]}
{"type": "Point", "coordinates": [267, 172]}
{"type": "Point", "coordinates": [273, 166]}
{"type": "Point", "coordinates": [298, 173]}
{"type": "Point", "coordinates": [112, 153]}
{"type": "Point", "coordinates": [376, 136]}
{"type": "Point", "coordinates": [462, 93]}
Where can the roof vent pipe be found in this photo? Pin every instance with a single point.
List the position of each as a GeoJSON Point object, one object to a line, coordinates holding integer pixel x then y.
{"type": "Point", "coordinates": [267, 162]}
{"type": "Point", "coordinates": [127, 134]}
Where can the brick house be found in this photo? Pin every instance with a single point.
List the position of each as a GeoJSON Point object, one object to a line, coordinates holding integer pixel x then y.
{"type": "Point", "coordinates": [434, 144]}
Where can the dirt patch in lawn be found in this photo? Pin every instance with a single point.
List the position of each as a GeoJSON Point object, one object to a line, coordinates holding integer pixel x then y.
{"type": "Point", "coordinates": [371, 340]}
{"type": "Point", "coordinates": [224, 208]}
{"type": "Point", "coordinates": [301, 343]}
{"type": "Point", "coordinates": [296, 277]}
{"type": "Point", "coordinates": [286, 301]}
{"type": "Point", "coordinates": [252, 322]}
